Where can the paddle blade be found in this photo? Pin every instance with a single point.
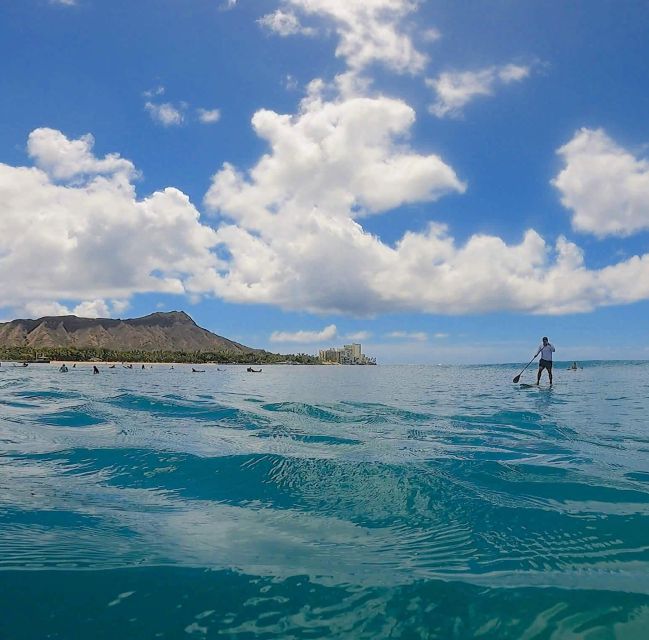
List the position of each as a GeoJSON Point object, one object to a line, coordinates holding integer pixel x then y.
{"type": "Point", "coordinates": [517, 378]}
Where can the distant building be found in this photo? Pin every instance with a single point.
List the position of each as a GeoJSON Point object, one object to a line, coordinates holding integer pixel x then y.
{"type": "Point", "coordinates": [349, 354]}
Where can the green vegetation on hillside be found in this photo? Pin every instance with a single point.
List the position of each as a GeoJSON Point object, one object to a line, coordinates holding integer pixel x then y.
{"type": "Point", "coordinates": [109, 355]}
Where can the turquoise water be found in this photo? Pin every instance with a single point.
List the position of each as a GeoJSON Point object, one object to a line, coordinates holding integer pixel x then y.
{"type": "Point", "coordinates": [324, 502]}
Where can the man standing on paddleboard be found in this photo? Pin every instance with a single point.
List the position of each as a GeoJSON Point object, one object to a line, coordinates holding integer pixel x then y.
{"type": "Point", "coordinates": [546, 350]}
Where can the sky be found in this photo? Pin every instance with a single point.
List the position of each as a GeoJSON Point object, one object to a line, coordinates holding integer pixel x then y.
{"type": "Point", "coordinates": [442, 181]}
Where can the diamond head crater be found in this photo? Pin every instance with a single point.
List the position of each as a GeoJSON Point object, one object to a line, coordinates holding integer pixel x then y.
{"type": "Point", "coordinates": [158, 337]}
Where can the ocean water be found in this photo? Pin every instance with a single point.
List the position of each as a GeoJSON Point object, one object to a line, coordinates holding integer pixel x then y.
{"type": "Point", "coordinates": [324, 502]}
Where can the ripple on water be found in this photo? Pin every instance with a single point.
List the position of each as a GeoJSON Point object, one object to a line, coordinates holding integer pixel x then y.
{"type": "Point", "coordinates": [328, 503]}
{"type": "Point", "coordinates": [74, 417]}
{"type": "Point", "coordinates": [312, 411]}
{"type": "Point", "coordinates": [176, 603]}
{"type": "Point", "coordinates": [174, 408]}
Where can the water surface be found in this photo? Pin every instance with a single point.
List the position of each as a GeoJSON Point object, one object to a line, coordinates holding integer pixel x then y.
{"type": "Point", "coordinates": [314, 502]}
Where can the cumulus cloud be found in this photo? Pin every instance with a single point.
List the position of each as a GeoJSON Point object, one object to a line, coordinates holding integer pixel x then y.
{"type": "Point", "coordinates": [456, 89]}
{"type": "Point", "coordinates": [208, 116]}
{"type": "Point", "coordinates": [335, 157]}
{"type": "Point", "coordinates": [369, 31]}
{"type": "Point", "coordinates": [165, 113]}
{"type": "Point", "coordinates": [291, 227]}
{"type": "Point", "coordinates": [97, 308]}
{"type": "Point", "coordinates": [40, 308]}
{"type": "Point", "coordinates": [304, 337]}
{"type": "Point", "coordinates": [605, 186]}
{"type": "Point", "coordinates": [73, 229]}
{"type": "Point", "coordinates": [169, 114]}
{"type": "Point", "coordinates": [65, 159]}
{"type": "Point", "coordinates": [93, 309]}
{"type": "Point", "coordinates": [284, 23]}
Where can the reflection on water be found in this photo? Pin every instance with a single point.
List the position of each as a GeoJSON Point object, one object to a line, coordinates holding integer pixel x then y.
{"type": "Point", "coordinates": [324, 501]}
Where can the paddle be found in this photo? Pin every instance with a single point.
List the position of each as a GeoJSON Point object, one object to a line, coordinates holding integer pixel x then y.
{"type": "Point", "coordinates": [518, 377]}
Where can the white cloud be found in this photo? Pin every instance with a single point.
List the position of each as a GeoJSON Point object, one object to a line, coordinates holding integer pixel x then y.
{"type": "Point", "coordinates": [292, 226]}
{"type": "Point", "coordinates": [431, 35]}
{"type": "Point", "coordinates": [41, 308]}
{"type": "Point", "coordinates": [208, 116]}
{"type": "Point", "coordinates": [305, 337]}
{"type": "Point", "coordinates": [368, 31]}
{"type": "Point", "coordinates": [152, 93]}
{"type": "Point", "coordinates": [166, 114]}
{"type": "Point", "coordinates": [417, 336]}
{"type": "Point", "coordinates": [65, 159]}
{"type": "Point", "coordinates": [440, 335]}
{"type": "Point", "coordinates": [92, 309]}
{"type": "Point", "coordinates": [91, 239]}
{"type": "Point", "coordinates": [284, 23]}
{"type": "Point", "coordinates": [332, 157]}
{"type": "Point", "coordinates": [456, 89]}
{"type": "Point", "coordinates": [358, 335]}
{"type": "Point", "coordinates": [605, 186]}
{"type": "Point", "coordinates": [97, 308]}
{"type": "Point", "coordinates": [66, 3]}
{"type": "Point", "coordinates": [118, 306]}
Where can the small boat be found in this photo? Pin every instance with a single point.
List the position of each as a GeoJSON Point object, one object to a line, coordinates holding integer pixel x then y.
{"type": "Point", "coordinates": [251, 370]}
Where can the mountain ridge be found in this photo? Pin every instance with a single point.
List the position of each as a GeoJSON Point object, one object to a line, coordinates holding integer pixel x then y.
{"type": "Point", "coordinates": [159, 331]}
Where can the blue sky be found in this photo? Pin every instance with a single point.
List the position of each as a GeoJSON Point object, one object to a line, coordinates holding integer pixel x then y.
{"type": "Point", "coordinates": [442, 181]}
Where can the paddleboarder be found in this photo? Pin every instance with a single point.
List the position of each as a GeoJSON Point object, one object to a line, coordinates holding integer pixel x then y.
{"type": "Point", "coordinates": [546, 350]}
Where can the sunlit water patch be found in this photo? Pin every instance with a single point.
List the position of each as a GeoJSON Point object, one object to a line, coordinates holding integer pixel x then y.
{"type": "Point", "coordinates": [353, 502]}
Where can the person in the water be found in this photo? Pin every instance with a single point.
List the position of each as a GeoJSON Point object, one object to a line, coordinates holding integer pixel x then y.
{"type": "Point", "coordinates": [546, 350]}
{"type": "Point", "coordinates": [94, 369]}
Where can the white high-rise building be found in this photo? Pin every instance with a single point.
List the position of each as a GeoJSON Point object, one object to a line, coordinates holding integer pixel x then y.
{"type": "Point", "coordinates": [348, 354]}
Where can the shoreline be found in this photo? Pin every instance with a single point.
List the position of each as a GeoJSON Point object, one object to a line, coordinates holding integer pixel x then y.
{"type": "Point", "coordinates": [138, 364]}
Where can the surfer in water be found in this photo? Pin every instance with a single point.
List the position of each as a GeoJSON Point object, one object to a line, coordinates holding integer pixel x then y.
{"type": "Point", "coordinates": [546, 350]}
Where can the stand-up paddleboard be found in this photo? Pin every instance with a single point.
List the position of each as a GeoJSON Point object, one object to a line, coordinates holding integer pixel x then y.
{"type": "Point", "coordinates": [524, 385]}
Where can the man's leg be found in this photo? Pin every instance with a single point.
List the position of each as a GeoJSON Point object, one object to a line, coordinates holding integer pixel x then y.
{"type": "Point", "coordinates": [538, 375]}
{"type": "Point", "coordinates": [550, 374]}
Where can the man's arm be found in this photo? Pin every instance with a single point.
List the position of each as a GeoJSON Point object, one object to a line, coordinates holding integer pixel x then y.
{"type": "Point", "coordinates": [551, 346]}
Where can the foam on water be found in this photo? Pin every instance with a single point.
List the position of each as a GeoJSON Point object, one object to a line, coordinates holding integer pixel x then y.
{"type": "Point", "coordinates": [324, 502]}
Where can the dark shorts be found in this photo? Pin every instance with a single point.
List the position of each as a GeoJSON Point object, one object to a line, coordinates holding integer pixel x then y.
{"type": "Point", "coordinates": [545, 364]}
